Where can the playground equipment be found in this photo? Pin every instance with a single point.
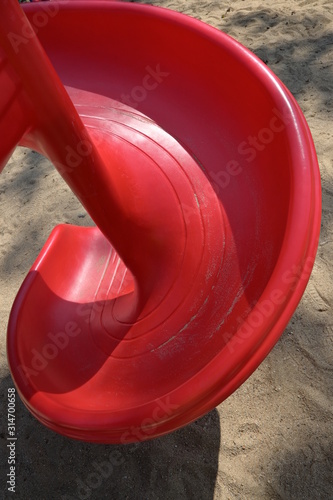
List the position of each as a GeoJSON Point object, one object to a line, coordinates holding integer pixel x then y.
{"type": "Point", "coordinates": [199, 170]}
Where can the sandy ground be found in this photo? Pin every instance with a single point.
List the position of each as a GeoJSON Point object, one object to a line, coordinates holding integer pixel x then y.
{"type": "Point", "coordinates": [272, 439]}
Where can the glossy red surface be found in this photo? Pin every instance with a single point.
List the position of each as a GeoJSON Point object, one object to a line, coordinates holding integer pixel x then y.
{"type": "Point", "coordinates": [199, 170]}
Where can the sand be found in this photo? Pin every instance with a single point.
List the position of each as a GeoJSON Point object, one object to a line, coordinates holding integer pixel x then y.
{"type": "Point", "coordinates": [272, 439]}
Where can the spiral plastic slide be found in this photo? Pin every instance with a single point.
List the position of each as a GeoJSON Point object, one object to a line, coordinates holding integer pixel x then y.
{"type": "Point", "coordinates": [199, 171]}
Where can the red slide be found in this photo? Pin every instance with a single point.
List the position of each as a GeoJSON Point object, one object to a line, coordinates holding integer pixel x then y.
{"type": "Point", "coordinates": [199, 170]}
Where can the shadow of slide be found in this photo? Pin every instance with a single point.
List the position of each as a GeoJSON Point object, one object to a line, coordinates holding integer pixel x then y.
{"type": "Point", "coordinates": [180, 465]}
